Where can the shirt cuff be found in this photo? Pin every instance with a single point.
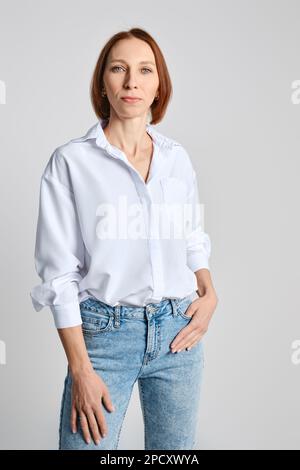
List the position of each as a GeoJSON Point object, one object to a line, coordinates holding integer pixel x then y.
{"type": "Point", "coordinates": [196, 261]}
{"type": "Point", "coordinates": [66, 315]}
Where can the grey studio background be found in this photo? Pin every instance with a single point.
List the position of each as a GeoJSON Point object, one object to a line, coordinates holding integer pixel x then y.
{"type": "Point", "coordinates": [236, 107]}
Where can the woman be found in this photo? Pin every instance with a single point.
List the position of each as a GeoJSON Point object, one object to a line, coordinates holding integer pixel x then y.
{"type": "Point", "coordinates": [119, 284]}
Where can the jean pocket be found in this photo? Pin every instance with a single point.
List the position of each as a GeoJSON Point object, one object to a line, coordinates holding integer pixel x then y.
{"type": "Point", "coordinates": [96, 321]}
{"type": "Point", "coordinates": [182, 306]}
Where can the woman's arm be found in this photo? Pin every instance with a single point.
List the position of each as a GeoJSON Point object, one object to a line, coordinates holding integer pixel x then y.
{"type": "Point", "coordinates": [200, 311]}
{"type": "Point", "coordinates": [205, 284]}
{"type": "Point", "coordinates": [198, 246]}
{"type": "Point", "coordinates": [75, 349]}
{"type": "Point", "coordinates": [88, 389]}
{"type": "Point", "coordinates": [59, 261]}
{"type": "Point", "coordinates": [59, 248]}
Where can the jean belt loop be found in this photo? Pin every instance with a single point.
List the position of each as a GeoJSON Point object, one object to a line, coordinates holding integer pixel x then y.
{"type": "Point", "coordinates": [117, 310]}
{"type": "Point", "coordinates": [174, 306]}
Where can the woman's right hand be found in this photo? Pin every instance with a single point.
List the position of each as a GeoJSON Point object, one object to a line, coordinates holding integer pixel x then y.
{"type": "Point", "coordinates": [88, 390]}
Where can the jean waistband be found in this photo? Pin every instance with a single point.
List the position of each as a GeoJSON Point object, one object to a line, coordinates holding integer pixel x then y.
{"type": "Point", "coordinates": [95, 305]}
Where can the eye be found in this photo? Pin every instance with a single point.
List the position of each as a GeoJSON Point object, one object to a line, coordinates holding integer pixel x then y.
{"type": "Point", "coordinates": [119, 67]}
{"type": "Point", "coordinates": [116, 67]}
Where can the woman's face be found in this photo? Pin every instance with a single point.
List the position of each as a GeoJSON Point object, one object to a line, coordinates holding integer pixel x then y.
{"type": "Point", "coordinates": [131, 71]}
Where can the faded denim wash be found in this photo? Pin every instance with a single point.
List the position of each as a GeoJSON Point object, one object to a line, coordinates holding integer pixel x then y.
{"type": "Point", "coordinates": [128, 344]}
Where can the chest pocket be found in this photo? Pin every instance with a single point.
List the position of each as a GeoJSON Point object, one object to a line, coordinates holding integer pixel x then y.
{"type": "Point", "coordinates": [174, 190]}
{"type": "Point", "coordinates": [174, 197]}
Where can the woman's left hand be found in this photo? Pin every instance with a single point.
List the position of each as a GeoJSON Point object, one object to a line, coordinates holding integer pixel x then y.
{"type": "Point", "coordinates": [200, 311]}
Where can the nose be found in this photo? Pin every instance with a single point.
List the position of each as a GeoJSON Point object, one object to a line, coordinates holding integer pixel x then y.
{"type": "Point", "coordinates": [130, 79]}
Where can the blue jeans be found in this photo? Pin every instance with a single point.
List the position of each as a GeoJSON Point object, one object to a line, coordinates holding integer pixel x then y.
{"type": "Point", "coordinates": [128, 344]}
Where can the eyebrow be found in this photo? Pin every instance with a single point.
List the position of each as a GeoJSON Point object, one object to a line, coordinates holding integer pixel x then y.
{"type": "Point", "coordinates": [142, 62]}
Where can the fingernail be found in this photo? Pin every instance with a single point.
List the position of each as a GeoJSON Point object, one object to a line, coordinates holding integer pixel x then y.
{"type": "Point", "coordinates": [73, 431]}
{"type": "Point", "coordinates": [174, 351]}
{"type": "Point", "coordinates": [97, 442]}
{"type": "Point", "coordinates": [179, 350]}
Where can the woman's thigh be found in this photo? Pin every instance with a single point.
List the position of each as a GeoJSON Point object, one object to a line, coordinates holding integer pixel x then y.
{"type": "Point", "coordinates": [169, 390]}
{"type": "Point", "coordinates": [116, 357]}
{"type": "Point", "coordinates": [114, 420]}
{"type": "Point", "coordinates": [137, 347]}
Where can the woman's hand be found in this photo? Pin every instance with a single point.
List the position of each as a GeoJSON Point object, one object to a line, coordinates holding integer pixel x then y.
{"type": "Point", "coordinates": [200, 311]}
{"type": "Point", "coordinates": [88, 390]}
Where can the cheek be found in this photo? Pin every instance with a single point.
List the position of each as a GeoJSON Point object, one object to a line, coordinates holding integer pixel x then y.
{"type": "Point", "coordinates": [113, 85]}
{"type": "Point", "coordinates": [154, 85]}
{"type": "Point", "coordinates": [114, 88]}
{"type": "Point", "coordinates": [151, 92]}
{"type": "Point", "coordinates": [150, 84]}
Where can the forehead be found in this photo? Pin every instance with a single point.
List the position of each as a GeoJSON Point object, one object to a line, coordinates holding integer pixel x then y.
{"type": "Point", "coordinates": [131, 50]}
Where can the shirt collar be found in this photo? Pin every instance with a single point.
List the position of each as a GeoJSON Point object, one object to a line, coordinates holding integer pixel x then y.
{"type": "Point", "coordinates": [96, 132]}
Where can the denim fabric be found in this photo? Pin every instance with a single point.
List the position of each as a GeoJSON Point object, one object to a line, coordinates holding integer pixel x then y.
{"type": "Point", "coordinates": [128, 344]}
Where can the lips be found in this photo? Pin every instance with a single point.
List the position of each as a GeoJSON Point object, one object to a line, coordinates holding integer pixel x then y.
{"type": "Point", "coordinates": [130, 99]}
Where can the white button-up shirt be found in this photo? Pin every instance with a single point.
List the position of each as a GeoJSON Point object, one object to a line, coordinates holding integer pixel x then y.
{"type": "Point", "coordinates": [103, 232]}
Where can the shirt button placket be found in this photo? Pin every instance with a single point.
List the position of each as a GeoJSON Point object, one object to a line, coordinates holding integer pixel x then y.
{"type": "Point", "coordinates": [153, 243]}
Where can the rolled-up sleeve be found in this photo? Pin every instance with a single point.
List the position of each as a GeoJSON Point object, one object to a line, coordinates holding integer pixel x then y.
{"type": "Point", "coordinates": [59, 249]}
{"type": "Point", "coordinates": [198, 242]}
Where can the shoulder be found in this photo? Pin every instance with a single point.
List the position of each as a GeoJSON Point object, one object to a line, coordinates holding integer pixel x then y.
{"type": "Point", "coordinates": [64, 155]}
{"type": "Point", "coordinates": [59, 164]}
{"type": "Point", "coordinates": [175, 150]}
{"type": "Point", "coordinates": [72, 148]}
{"type": "Point", "coordinates": [182, 161]}
{"type": "Point", "coordinates": [183, 155]}
{"type": "Point", "coordinates": [179, 162]}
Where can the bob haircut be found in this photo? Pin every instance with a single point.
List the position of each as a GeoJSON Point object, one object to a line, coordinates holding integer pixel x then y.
{"type": "Point", "coordinates": [101, 104]}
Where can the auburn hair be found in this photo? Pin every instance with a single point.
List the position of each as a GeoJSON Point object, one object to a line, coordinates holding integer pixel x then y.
{"type": "Point", "coordinates": [101, 104]}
